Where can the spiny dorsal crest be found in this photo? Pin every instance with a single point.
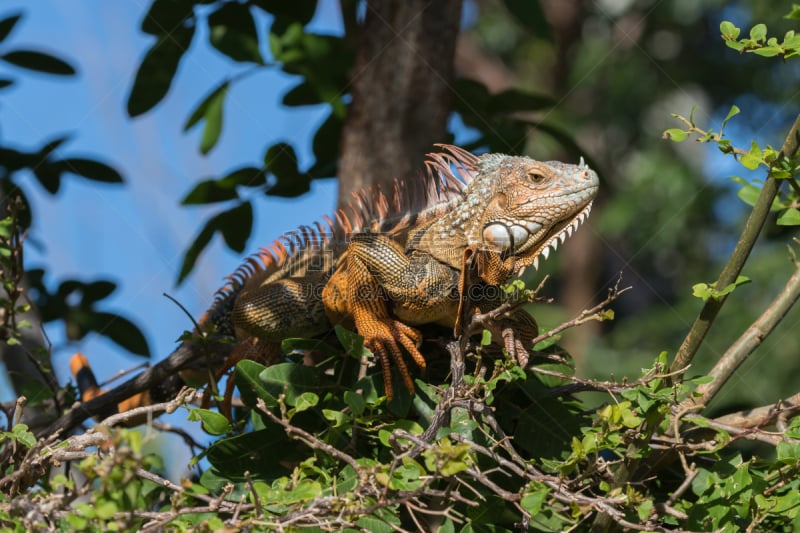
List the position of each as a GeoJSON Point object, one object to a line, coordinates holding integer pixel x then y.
{"type": "Point", "coordinates": [410, 201]}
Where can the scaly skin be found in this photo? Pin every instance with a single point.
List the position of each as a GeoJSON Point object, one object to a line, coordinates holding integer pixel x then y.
{"type": "Point", "coordinates": [396, 261]}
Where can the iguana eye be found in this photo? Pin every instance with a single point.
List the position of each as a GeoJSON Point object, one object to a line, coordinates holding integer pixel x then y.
{"type": "Point", "coordinates": [536, 177]}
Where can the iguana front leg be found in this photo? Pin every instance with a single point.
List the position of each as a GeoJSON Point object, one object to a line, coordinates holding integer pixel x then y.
{"type": "Point", "coordinates": [386, 290]}
{"type": "Point", "coordinates": [517, 329]}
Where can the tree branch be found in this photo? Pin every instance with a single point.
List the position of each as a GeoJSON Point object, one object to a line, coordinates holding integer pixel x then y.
{"type": "Point", "coordinates": [752, 228]}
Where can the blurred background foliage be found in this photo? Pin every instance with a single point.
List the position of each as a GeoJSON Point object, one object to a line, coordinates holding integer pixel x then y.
{"type": "Point", "coordinates": [551, 79]}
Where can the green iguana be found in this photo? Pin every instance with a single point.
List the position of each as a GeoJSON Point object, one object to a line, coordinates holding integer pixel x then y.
{"type": "Point", "coordinates": [393, 261]}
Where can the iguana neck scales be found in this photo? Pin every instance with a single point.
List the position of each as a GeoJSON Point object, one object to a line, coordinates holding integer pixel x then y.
{"type": "Point", "coordinates": [396, 259]}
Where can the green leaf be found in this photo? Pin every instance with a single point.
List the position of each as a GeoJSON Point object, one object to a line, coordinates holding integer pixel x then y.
{"type": "Point", "coordinates": [290, 379]}
{"type": "Point", "coordinates": [355, 401]}
{"type": "Point", "coordinates": [250, 385]}
{"type": "Point", "coordinates": [306, 401]}
{"type": "Point", "coordinates": [39, 62]}
{"type": "Point", "coordinates": [768, 51]}
{"type": "Point", "coordinates": [89, 169]}
{"type": "Point", "coordinates": [533, 501]}
{"type": "Point", "coordinates": [794, 14]}
{"type": "Point", "coordinates": [753, 157]}
{"type": "Point", "coordinates": [732, 113]}
{"type": "Point", "coordinates": [155, 74]}
{"type": "Point", "coordinates": [675, 134]}
{"type": "Point", "coordinates": [790, 217]}
{"type": "Point", "coordinates": [164, 16]}
{"type": "Point", "coordinates": [353, 343]}
{"type": "Point", "coordinates": [748, 192]}
{"type": "Point", "coordinates": [232, 31]}
{"type": "Point", "coordinates": [253, 452]}
{"type": "Point", "coordinates": [210, 109]}
{"type": "Point", "coordinates": [758, 32]}
{"type": "Point", "coordinates": [7, 25]}
{"type": "Point", "coordinates": [728, 30]}
{"type": "Point", "coordinates": [213, 422]}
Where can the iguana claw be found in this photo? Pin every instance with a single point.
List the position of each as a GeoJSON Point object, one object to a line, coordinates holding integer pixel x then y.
{"type": "Point", "coordinates": [381, 337]}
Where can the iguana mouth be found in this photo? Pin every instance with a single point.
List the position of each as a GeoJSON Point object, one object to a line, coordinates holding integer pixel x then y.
{"type": "Point", "coordinates": [560, 232]}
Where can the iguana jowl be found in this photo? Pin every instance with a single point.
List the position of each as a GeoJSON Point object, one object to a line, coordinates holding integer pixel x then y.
{"type": "Point", "coordinates": [394, 261]}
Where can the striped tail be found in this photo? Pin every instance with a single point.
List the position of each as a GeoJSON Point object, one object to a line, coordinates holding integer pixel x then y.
{"type": "Point", "coordinates": [89, 389]}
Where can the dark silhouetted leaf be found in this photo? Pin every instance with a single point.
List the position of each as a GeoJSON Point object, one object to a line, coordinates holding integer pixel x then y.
{"type": "Point", "coordinates": [286, 13]}
{"type": "Point", "coordinates": [123, 332]}
{"type": "Point", "coordinates": [513, 100]}
{"type": "Point", "coordinates": [89, 169]}
{"type": "Point", "coordinates": [209, 109]}
{"type": "Point", "coordinates": [232, 31]}
{"type": "Point", "coordinates": [97, 290]}
{"type": "Point", "coordinates": [301, 94]}
{"type": "Point", "coordinates": [247, 177]}
{"type": "Point", "coordinates": [5, 82]}
{"type": "Point", "coordinates": [210, 191]}
{"type": "Point", "coordinates": [281, 161]}
{"type": "Point", "coordinates": [158, 67]}
{"type": "Point", "coordinates": [326, 148]}
{"type": "Point", "coordinates": [166, 15]}
{"type": "Point", "coordinates": [529, 13]}
{"type": "Point", "coordinates": [196, 248]}
{"type": "Point", "coordinates": [254, 453]}
{"type": "Point", "coordinates": [7, 24]}
{"type": "Point", "coordinates": [13, 160]}
{"type": "Point", "coordinates": [38, 61]}
{"type": "Point", "coordinates": [49, 176]}
{"type": "Point", "coordinates": [236, 225]}
{"type": "Point", "coordinates": [471, 99]}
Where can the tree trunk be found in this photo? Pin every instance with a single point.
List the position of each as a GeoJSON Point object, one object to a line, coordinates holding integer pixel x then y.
{"type": "Point", "coordinates": [401, 89]}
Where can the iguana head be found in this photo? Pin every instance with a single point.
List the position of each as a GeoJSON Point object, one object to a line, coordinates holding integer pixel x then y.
{"type": "Point", "coordinates": [516, 208]}
{"type": "Point", "coordinates": [534, 205]}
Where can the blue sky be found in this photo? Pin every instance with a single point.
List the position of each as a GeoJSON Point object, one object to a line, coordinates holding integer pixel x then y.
{"type": "Point", "coordinates": [135, 234]}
